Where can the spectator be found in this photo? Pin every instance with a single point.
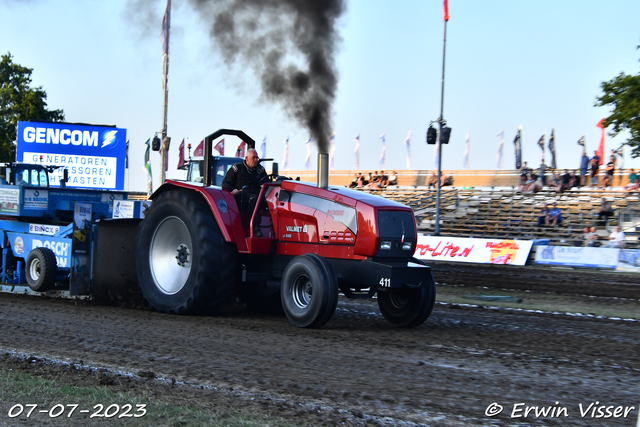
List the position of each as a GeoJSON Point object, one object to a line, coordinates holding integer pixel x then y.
{"type": "Point", "coordinates": [393, 178]}
{"type": "Point", "coordinates": [605, 212]}
{"type": "Point", "coordinates": [384, 180]}
{"type": "Point", "coordinates": [633, 182]}
{"type": "Point", "coordinates": [433, 181]}
{"type": "Point", "coordinates": [585, 237]}
{"type": "Point", "coordinates": [555, 216]}
{"type": "Point", "coordinates": [616, 239]}
{"type": "Point", "coordinates": [565, 182]}
{"type": "Point", "coordinates": [584, 166]}
{"type": "Point", "coordinates": [595, 165]}
{"type": "Point", "coordinates": [592, 238]}
{"type": "Point", "coordinates": [524, 173]}
{"type": "Point", "coordinates": [607, 180]}
{"type": "Point", "coordinates": [543, 177]}
{"type": "Point", "coordinates": [361, 183]}
{"type": "Point", "coordinates": [354, 182]}
{"type": "Point", "coordinates": [448, 181]}
{"type": "Point", "coordinates": [575, 180]}
{"type": "Point", "coordinates": [543, 218]}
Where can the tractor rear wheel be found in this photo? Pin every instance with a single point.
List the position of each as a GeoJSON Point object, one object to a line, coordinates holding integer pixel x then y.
{"type": "Point", "coordinates": [407, 307]}
{"type": "Point", "coordinates": [183, 263]}
{"type": "Point", "coordinates": [41, 269]}
{"type": "Point", "coordinates": [309, 291]}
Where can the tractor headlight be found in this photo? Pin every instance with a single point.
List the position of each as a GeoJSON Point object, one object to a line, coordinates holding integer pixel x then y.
{"type": "Point", "coordinates": [406, 246]}
{"type": "Point", "coordinates": [385, 245]}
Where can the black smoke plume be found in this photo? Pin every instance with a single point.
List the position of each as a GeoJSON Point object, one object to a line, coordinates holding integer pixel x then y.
{"type": "Point", "coordinates": [290, 45]}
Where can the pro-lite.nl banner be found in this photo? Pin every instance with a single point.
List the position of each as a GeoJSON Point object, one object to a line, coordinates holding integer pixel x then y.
{"type": "Point", "coordinates": [94, 156]}
{"type": "Point", "coordinates": [483, 251]}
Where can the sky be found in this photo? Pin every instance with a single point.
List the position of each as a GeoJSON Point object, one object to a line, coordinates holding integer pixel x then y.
{"type": "Point", "coordinates": [535, 64]}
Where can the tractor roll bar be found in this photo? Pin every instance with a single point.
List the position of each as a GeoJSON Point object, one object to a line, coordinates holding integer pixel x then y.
{"type": "Point", "coordinates": [208, 142]}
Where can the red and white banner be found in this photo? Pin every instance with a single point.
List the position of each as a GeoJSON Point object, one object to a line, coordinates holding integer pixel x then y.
{"type": "Point", "coordinates": [482, 251]}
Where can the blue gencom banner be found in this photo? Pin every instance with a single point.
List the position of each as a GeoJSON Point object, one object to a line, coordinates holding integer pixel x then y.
{"type": "Point", "coordinates": [93, 155]}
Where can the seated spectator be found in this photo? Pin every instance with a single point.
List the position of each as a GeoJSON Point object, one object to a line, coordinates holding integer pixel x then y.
{"type": "Point", "coordinates": [361, 183]}
{"type": "Point", "coordinates": [543, 217]}
{"type": "Point", "coordinates": [384, 180]}
{"type": "Point", "coordinates": [605, 212]}
{"type": "Point", "coordinates": [532, 185]}
{"type": "Point", "coordinates": [575, 180]}
{"type": "Point", "coordinates": [354, 182]}
{"type": "Point", "coordinates": [448, 181]}
{"type": "Point", "coordinates": [633, 182]}
{"type": "Point", "coordinates": [616, 239]}
{"type": "Point", "coordinates": [524, 173]}
{"type": "Point", "coordinates": [555, 216]}
{"type": "Point", "coordinates": [433, 181]}
{"type": "Point", "coordinates": [586, 236]}
{"type": "Point", "coordinates": [565, 182]}
{"type": "Point", "coordinates": [592, 238]}
{"type": "Point", "coordinates": [393, 178]}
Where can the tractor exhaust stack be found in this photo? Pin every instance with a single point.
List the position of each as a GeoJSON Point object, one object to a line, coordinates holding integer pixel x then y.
{"type": "Point", "coordinates": [323, 170]}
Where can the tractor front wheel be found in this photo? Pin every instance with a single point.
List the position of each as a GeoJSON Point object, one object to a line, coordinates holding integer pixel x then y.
{"type": "Point", "coordinates": [41, 269]}
{"type": "Point", "coordinates": [309, 291]}
{"type": "Point", "coordinates": [184, 265]}
{"type": "Point", "coordinates": [407, 307]}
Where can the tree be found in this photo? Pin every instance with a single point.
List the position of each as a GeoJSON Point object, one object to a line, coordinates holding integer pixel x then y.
{"type": "Point", "coordinates": [623, 94]}
{"type": "Point", "coordinates": [19, 101]}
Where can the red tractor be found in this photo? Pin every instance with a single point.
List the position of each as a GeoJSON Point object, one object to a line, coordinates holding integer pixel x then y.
{"type": "Point", "coordinates": [299, 246]}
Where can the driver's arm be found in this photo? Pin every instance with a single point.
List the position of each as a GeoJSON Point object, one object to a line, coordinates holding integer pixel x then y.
{"type": "Point", "coordinates": [229, 181]}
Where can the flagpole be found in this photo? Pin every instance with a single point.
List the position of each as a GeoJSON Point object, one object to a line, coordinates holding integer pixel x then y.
{"type": "Point", "coordinates": [439, 145]}
{"type": "Point", "coordinates": [165, 78]}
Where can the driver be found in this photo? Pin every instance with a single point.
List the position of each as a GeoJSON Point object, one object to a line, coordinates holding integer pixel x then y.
{"type": "Point", "coordinates": [249, 172]}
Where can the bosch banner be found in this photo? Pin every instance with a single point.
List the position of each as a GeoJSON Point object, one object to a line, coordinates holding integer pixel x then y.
{"type": "Point", "coordinates": [484, 251]}
{"type": "Point", "coordinates": [94, 156]}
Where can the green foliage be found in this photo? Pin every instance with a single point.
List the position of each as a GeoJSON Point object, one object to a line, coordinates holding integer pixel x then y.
{"type": "Point", "coordinates": [19, 101]}
{"type": "Point", "coordinates": [622, 93]}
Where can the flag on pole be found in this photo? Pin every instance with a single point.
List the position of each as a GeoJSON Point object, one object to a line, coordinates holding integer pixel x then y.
{"type": "Point", "coordinates": [164, 32]}
{"type": "Point", "coordinates": [518, 143]}
{"type": "Point", "coordinates": [219, 147]}
{"type": "Point", "coordinates": [384, 151]}
{"type": "Point", "coordinates": [147, 168]}
{"type": "Point", "coordinates": [500, 148]}
{"type": "Point", "coordinates": [307, 160]}
{"type": "Point", "coordinates": [582, 141]}
{"type": "Point", "coordinates": [198, 153]}
{"type": "Point", "coordinates": [407, 144]}
{"type": "Point", "coordinates": [285, 155]}
{"type": "Point", "coordinates": [552, 148]}
{"type": "Point", "coordinates": [240, 152]}
{"type": "Point", "coordinates": [541, 145]}
{"type": "Point", "coordinates": [263, 148]}
{"type": "Point", "coordinates": [332, 140]}
{"type": "Point", "coordinates": [356, 152]}
{"type": "Point", "coordinates": [126, 156]}
{"type": "Point", "coordinates": [181, 155]}
{"type": "Point", "coordinates": [601, 146]}
{"type": "Point", "coordinates": [446, 10]}
{"type": "Point", "coordinates": [465, 159]}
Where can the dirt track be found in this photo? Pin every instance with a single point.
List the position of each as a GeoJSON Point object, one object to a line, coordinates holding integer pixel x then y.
{"type": "Point", "coordinates": [357, 370]}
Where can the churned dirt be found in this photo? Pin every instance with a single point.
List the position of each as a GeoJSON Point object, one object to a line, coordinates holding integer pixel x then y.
{"type": "Point", "coordinates": [460, 368]}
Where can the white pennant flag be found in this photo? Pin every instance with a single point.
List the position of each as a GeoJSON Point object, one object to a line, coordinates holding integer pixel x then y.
{"type": "Point", "coordinates": [500, 148]}
{"type": "Point", "coordinates": [407, 144]}
{"type": "Point", "coordinates": [465, 159]}
{"type": "Point", "coordinates": [285, 156]}
{"type": "Point", "coordinates": [384, 151]}
{"type": "Point", "coordinates": [332, 140]}
{"type": "Point", "coordinates": [307, 161]}
{"type": "Point", "coordinates": [263, 148]}
{"type": "Point", "coordinates": [357, 151]}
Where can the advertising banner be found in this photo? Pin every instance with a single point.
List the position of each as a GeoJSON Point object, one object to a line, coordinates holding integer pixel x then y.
{"type": "Point", "coordinates": [94, 156]}
{"type": "Point", "coordinates": [572, 256]}
{"type": "Point", "coordinates": [629, 260]}
{"type": "Point", "coordinates": [483, 251]}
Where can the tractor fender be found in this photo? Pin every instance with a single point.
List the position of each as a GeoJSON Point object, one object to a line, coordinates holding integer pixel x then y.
{"type": "Point", "coordinates": [223, 206]}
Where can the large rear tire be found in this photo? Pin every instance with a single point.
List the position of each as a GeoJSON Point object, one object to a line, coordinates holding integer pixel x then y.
{"type": "Point", "coordinates": [309, 291]}
{"type": "Point", "coordinates": [183, 263]}
{"type": "Point", "coordinates": [41, 269]}
{"type": "Point", "coordinates": [407, 307]}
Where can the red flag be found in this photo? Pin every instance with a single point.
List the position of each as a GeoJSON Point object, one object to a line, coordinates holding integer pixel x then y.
{"type": "Point", "coordinates": [181, 155]}
{"type": "Point", "coordinates": [601, 146]}
{"type": "Point", "coordinates": [199, 151]}
{"type": "Point", "coordinates": [220, 147]}
{"type": "Point", "coordinates": [446, 10]}
{"type": "Point", "coordinates": [241, 149]}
